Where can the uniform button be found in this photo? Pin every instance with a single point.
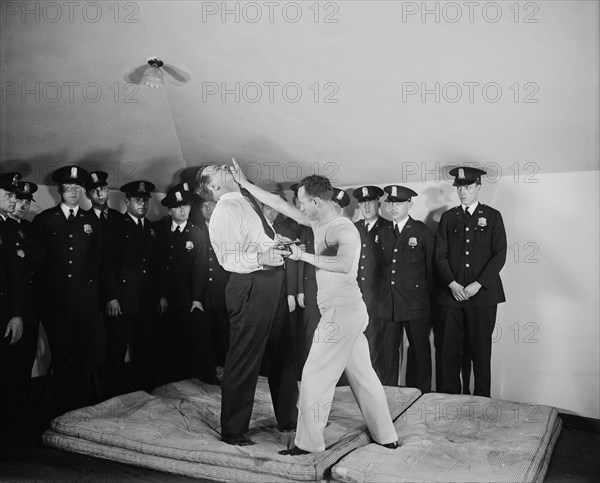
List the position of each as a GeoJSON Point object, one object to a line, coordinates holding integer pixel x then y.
{"type": "Point", "coordinates": [364, 256]}
{"type": "Point", "coordinates": [468, 241]}
{"type": "Point", "coordinates": [71, 248]}
{"type": "Point", "coordinates": [143, 259]}
{"type": "Point", "coordinates": [393, 271]}
{"type": "Point", "coordinates": [362, 268]}
{"type": "Point", "coordinates": [143, 271]}
{"type": "Point", "coordinates": [210, 279]}
{"type": "Point", "coordinates": [70, 235]}
{"type": "Point", "coordinates": [210, 269]}
{"type": "Point", "coordinates": [417, 285]}
{"type": "Point", "coordinates": [210, 259]}
{"type": "Point", "coordinates": [467, 265]}
{"type": "Point", "coordinates": [394, 260]}
{"type": "Point", "coordinates": [123, 281]}
{"type": "Point", "coordinates": [467, 228]}
{"type": "Point", "coordinates": [395, 249]}
{"type": "Point", "coordinates": [70, 262]}
{"type": "Point", "coordinates": [364, 245]}
{"type": "Point", "coordinates": [70, 276]}
{"type": "Point", "coordinates": [466, 253]}
{"type": "Point", "coordinates": [362, 278]}
{"type": "Point", "coordinates": [393, 283]}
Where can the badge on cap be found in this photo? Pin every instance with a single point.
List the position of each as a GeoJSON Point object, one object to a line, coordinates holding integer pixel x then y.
{"type": "Point", "coordinates": [74, 172]}
{"type": "Point", "coordinates": [95, 177]}
{"type": "Point", "coordinates": [365, 191]}
{"type": "Point", "coordinates": [178, 196]}
{"type": "Point", "coordinates": [394, 191]}
{"type": "Point", "coordinates": [340, 195]}
{"type": "Point", "coordinates": [461, 173]}
{"type": "Point", "coordinates": [15, 180]}
{"type": "Point", "coordinates": [26, 188]}
{"type": "Point", "coordinates": [142, 187]}
{"type": "Point", "coordinates": [186, 187]}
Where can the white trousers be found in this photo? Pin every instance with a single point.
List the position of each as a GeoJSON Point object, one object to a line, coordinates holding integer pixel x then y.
{"type": "Point", "coordinates": [339, 344]}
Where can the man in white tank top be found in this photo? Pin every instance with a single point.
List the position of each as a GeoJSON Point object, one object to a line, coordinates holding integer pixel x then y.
{"type": "Point", "coordinates": [339, 343]}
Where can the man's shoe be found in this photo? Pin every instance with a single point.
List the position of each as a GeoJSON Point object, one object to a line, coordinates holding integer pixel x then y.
{"type": "Point", "coordinates": [293, 451]}
{"type": "Point", "coordinates": [289, 427]}
{"type": "Point", "coordinates": [236, 440]}
{"type": "Point", "coordinates": [393, 445]}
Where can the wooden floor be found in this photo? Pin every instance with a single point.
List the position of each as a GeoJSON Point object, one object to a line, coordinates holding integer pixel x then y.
{"type": "Point", "coordinates": [576, 458]}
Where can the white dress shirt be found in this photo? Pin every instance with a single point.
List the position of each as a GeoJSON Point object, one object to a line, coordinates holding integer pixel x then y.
{"type": "Point", "coordinates": [237, 234]}
{"type": "Point", "coordinates": [65, 209]}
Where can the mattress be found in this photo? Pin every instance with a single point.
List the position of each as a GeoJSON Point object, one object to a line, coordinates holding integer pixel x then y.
{"type": "Point", "coordinates": [453, 438]}
{"type": "Point", "coordinates": [176, 429]}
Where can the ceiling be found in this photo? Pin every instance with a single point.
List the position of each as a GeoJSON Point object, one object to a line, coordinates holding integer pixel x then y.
{"type": "Point", "coordinates": [361, 91]}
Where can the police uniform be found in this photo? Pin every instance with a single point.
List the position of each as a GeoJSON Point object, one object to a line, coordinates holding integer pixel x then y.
{"type": "Point", "coordinates": [407, 283]}
{"type": "Point", "coordinates": [131, 277]}
{"type": "Point", "coordinates": [469, 248]}
{"type": "Point", "coordinates": [370, 271]}
{"type": "Point", "coordinates": [30, 258]}
{"type": "Point", "coordinates": [70, 277]}
{"type": "Point", "coordinates": [184, 277]}
{"type": "Point", "coordinates": [98, 179]}
{"type": "Point", "coordinates": [13, 300]}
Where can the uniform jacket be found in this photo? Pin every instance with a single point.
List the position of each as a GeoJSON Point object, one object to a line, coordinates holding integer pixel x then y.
{"type": "Point", "coordinates": [369, 267]}
{"type": "Point", "coordinates": [407, 271]}
{"type": "Point", "coordinates": [131, 267]}
{"type": "Point", "coordinates": [289, 228]}
{"type": "Point", "coordinates": [468, 252]}
{"type": "Point", "coordinates": [307, 280]}
{"type": "Point", "coordinates": [183, 273]}
{"type": "Point", "coordinates": [12, 283]}
{"type": "Point", "coordinates": [216, 276]}
{"type": "Point", "coordinates": [72, 257]}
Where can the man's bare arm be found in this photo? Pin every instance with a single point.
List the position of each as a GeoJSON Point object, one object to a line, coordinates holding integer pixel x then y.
{"type": "Point", "coordinates": [267, 198]}
{"type": "Point", "coordinates": [347, 240]}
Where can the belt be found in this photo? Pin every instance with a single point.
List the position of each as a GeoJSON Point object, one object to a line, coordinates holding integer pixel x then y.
{"type": "Point", "coordinates": [269, 267]}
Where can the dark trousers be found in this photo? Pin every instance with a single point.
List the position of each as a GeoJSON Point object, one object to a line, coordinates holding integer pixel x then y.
{"type": "Point", "coordinates": [418, 366]}
{"type": "Point", "coordinates": [189, 351]}
{"type": "Point", "coordinates": [219, 322]}
{"type": "Point", "coordinates": [71, 343]}
{"type": "Point", "coordinates": [257, 313]}
{"type": "Point", "coordinates": [380, 355]}
{"type": "Point", "coordinates": [468, 328]}
{"type": "Point", "coordinates": [139, 332]}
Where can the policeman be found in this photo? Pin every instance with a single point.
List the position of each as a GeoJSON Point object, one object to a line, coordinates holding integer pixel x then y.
{"type": "Point", "coordinates": [12, 302]}
{"type": "Point", "coordinates": [406, 250]}
{"type": "Point", "coordinates": [470, 252]}
{"type": "Point", "coordinates": [183, 285]}
{"type": "Point", "coordinates": [30, 260]}
{"type": "Point", "coordinates": [214, 295]}
{"type": "Point", "coordinates": [369, 268]}
{"type": "Point", "coordinates": [130, 285]}
{"type": "Point", "coordinates": [96, 190]}
{"type": "Point", "coordinates": [71, 240]}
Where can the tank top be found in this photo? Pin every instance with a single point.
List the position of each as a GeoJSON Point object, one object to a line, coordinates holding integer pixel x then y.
{"type": "Point", "coordinates": [335, 288]}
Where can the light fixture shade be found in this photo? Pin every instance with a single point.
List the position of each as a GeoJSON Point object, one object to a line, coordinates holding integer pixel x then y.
{"type": "Point", "coordinates": [153, 77]}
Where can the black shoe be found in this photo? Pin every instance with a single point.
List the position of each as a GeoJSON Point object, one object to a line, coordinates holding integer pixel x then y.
{"type": "Point", "coordinates": [289, 427]}
{"type": "Point", "coordinates": [393, 445]}
{"type": "Point", "coordinates": [236, 439]}
{"type": "Point", "coordinates": [294, 451]}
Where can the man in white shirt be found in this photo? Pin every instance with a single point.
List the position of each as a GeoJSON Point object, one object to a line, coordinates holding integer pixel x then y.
{"type": "Point", "coordinates": [256, 303]}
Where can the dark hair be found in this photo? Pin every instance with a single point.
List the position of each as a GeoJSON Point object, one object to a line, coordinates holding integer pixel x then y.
{"type": "Point", "coordinates": [317, 186]}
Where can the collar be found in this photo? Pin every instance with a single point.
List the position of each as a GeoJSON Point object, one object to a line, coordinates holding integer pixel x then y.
{"type": "Point", "coordinates": [3, 217]}
{"type": "Point", "coordinates": [97, 212]}
{"type": "Point", "coordinates": [135, 220]}
{"type": "Point", "coordinates": [472, 208]}
{"type": "Point", "coordinates": [232, 195]}
{"type": "Point", "coordinates": [65, 209]}
{"type": "Point", "coordinates": [401, 224]}
{"type": "Point", "coordinates": [181, 226]}
{"type": "Point", "coordinates": [370, 224]}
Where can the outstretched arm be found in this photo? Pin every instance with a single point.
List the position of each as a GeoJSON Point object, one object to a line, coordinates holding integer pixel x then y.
{"type": "Point", "coordinates": [267, 198]}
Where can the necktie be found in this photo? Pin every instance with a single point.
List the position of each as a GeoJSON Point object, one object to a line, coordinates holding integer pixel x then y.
{"type": "Point", "coordinates": [467, 214]}
{"type": "Point", "coordinates": [102, 216]}
{"type": "Point", "coordinates": [140, 225]}
{"type": "Point", "coordinates": [397, 229]}
{"type": "Point", "coordinates": [71, 215]}
{"type": "Point", "coordinates": [266, 227]}
{"type": "Point", "coordinates": [177, 231]}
